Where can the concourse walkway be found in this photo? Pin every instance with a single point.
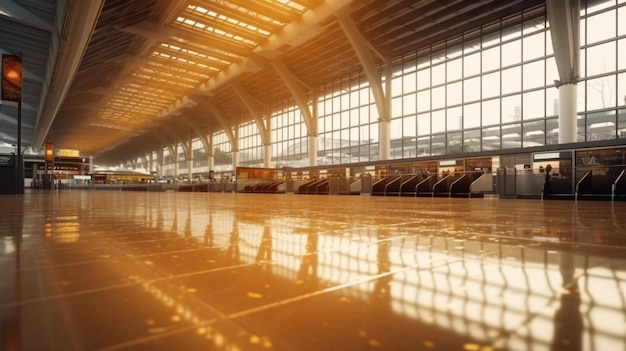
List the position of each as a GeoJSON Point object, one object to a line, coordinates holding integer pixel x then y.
{"type": "Point", "coordinates": [115, 270]}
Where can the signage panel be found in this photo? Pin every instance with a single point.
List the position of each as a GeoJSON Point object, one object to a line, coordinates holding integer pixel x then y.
{"type": "Point", "coordinates": [11, 78]}
{"type": "Point", "coordinates": [7, 160]}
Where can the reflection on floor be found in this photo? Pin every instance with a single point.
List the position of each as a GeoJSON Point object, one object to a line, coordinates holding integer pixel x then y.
{"type": "Point", "coordinates": [83, 270]}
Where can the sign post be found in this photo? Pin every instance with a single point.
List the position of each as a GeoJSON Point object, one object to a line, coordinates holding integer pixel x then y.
{"type": "Point", "coordinates": [12, 91]}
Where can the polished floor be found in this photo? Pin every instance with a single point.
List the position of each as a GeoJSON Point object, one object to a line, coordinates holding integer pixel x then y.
{"type": "Point", "coordinates": [111, 270]}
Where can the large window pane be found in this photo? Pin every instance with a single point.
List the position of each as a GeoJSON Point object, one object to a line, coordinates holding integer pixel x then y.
{"type": "Point", "coordinates": [438, 97]}
{"type": "Point", "coordinates": [454, 70]}
{"type": "Point", "coordinates": [409, 83]}
{"type": "Point", "coordinates": [601, 93]}
{"type": "Point", "coordinates": [471, 65]}
{"type": "Point", "coordinates": [423, 124]}
{"type": "Point", "coordinates": [511, 136]}
{"type": "Point", "coordinates": [471, 89]}
{"type": "Point", "coordinates": [621, 123]}
{"type": "Point", "coordinates": [621, 25]}
{"type": "Point", "coordinates": [409, 127]}
{"type": "Point", "coordinates": [471, 141]}
{"type": "Point", "coordinates": [601, 27]}
{"type": "Point", "coordinates": [409, 104]}
{"type": "Point", "coordinates": [534, 46]}
{"type": "Point", "coordinates": [454, 118]}
{"type": "Point", "coordinates": [423, 101]}
{"type": "Point", "coordinates": [534, 74]}
{"type": "Point", "coordinates": [455, 143]}
{"type": "Point", "coordinates": [621, 89]}
{"type": "Point", "coordinates": [491, 138]}
{"type": "Point", "coordinates": [454, 93]}
{"type": "Point", "coordinates": [601, 59]}
{"type": "Point", "coordinates": [438, 121]}
{"type": "Point", "coordinates": [601, 126]}
{"type": "Point", "coordinates": [438, 144]}
{"type": "Point", "coordinates": [471, 115]}
{"type": "Point", "coordinates": [439, 75]}
{"type": "Point", "coordinates": [364, 132]}
{"type": "Point", "coordinates": [511, 80]}
{"type": "Point", "coordinates": [580, 128]}
{"type": "Point", "coordinates": [491, 112]}
{"type": "Point", "coordinates": [491, 59]}
{"type": "Point", "coordinates": [511, 108]}
{"type": "Point", "coordinates": [491, 85]}
{"type": "Point", "coordinates": [534, 134]}
{"type": "Point", "coordinates": [512, 53]}
{"type": "Point", "coordinates": [396, 128]}
{"type": "Point", "coordinates": [621, 52]}
{"type": "Point", "coordinates": [423, 146]}
{"type": "Point", "coordinates": [423, 79]}
{"type": "Point", "coordinates": [534, 104]}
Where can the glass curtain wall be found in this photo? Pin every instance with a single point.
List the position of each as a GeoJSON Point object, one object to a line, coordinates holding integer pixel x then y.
{"type": "Point", "coordinates": [348, 122]}
{"type": "Point", "coordinates": [289, 135]}
{"type": "Point", "coordinates": [223, 152]}
{"type": "Point", "coordinates": [250, 145]}
{"type": "Point", "coordinates": [490, 88]}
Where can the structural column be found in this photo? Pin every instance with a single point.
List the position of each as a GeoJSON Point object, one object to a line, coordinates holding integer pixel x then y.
{"type": "Point", "coordinates": [190, 167]}
{"type": "Point", "coordinates": [384, 139]}
{"type": "Point", "coordinates": [567, 113]}
{"type": "Point", "coordinates": [564, 19]}
{"type": "Point", "coordinates": [175, 161]}
{"type": "Point", "coordinates": [267, 156]}
{"type": "Point", "coordinates": [235, 159]}
{"type": "Point", "coordinates": [160, 163]}
{"type": "Point", "coordinates": [313, 150]}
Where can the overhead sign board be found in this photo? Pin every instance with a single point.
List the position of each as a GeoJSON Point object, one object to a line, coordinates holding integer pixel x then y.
{"type": "Point", "coordinates": [7, 160]}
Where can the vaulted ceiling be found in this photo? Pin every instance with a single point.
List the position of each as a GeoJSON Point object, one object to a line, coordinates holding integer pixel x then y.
{"type": "Point", "coordinates": [117, 79]}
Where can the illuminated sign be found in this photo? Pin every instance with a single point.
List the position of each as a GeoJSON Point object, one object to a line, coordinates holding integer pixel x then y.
{"type": "Point", "coordinates": [68, 153]}
{"type": "Point", "coordinates": [6, 160]}
{"type": "Point", "coordinates": [552, 156]}
{"type": "Point", "coordinates": [447, 163]}
{"type": "Point", "coordinates": [49, 152]}
{"type": "Point", "coordinates": [11, 78]}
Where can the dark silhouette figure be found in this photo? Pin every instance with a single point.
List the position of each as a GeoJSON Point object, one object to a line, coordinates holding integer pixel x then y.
{"type": "Point", "coordinates": [547, 186]}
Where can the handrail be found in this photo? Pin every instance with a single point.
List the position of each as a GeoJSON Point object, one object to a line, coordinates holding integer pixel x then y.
{"type": "Point", "coordinates": [437, 183]}
{"type": "Point", "coordinates": [578, 184]}
{"type": "Point", "coordinates": [322, 183]}
{"type": "Point", "coordinates": [614, 185]}
{"type": "Point", "coordinates": [485, 177]}
{"type": "Point", "coordinates": [407, 181]}
{"type": "Point", "coordinates": [391, 181]}
{"type": "Point", "coordinates": [427, 179]}
{"type": "Point", "coordinates": [454, 182]}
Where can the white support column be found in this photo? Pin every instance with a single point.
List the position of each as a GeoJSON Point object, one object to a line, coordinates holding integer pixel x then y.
{"type": "Point", "coordinates": [564, 19]}
{"type": "Point", "coordinates": [235, 159]}
{"type": "Point", "coordinates": [175, 160]}
{"type": "Point", "coordinates": [313, 150]}
{"type": "Point", "coordinates": [384, 123]}
{"type": "Point", "coordinates": [190, 167]}
{"type": "Point", "coordinates": [384, 140]}
{"type": "Point", "coordinates": [150, 163]}
{"type": "Point", "coordinates": [567, 113]}
{"type": "Point", "coordinates": [267, 156]}
{"type": "Point", "coordinates": [160, 163]}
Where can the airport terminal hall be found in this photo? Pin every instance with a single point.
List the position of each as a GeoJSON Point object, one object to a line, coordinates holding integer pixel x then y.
{"type": "Point", "coordinates": [313, 175]}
